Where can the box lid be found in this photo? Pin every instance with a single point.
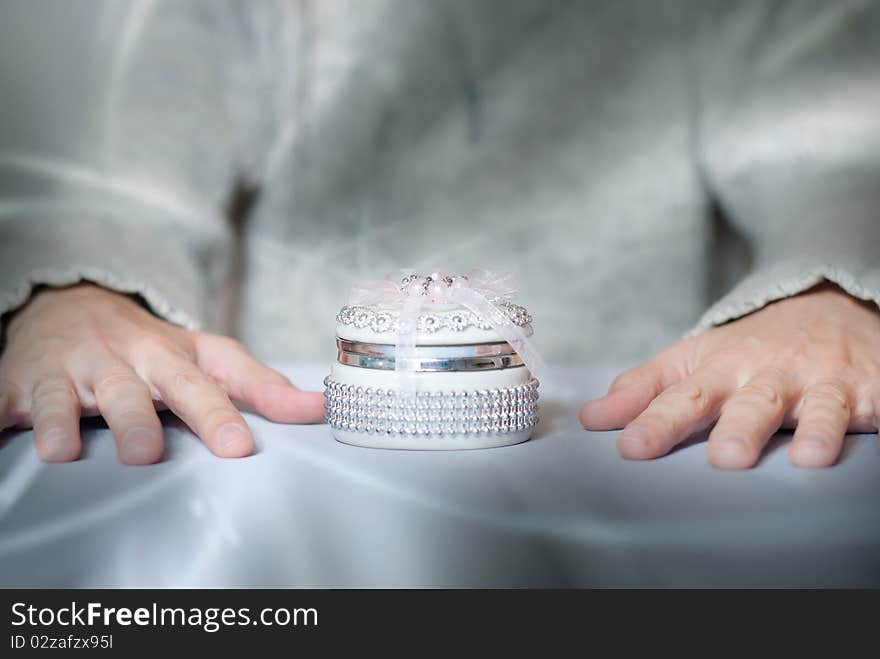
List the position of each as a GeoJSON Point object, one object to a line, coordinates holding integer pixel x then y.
{"type": "Point", "coordinates": [440, 304]}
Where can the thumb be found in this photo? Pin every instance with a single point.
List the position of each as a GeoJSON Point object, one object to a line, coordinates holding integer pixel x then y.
{"type": "Point", "coordinates": [249, 381]}
{"type": "Point", "coordinates": [633, 390]}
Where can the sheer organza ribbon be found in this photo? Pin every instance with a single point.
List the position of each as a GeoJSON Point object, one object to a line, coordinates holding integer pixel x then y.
{"type": "Point", "coordinates": [477, 290]}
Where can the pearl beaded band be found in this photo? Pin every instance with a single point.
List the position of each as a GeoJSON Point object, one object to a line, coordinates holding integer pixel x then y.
{"type": "Point", "coordinates": [431, 413]}
{"type": "Point", "coordinates": [466, 357]}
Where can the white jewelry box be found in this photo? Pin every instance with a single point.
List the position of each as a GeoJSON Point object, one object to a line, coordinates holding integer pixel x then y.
{"type": "Point", "coordinates": [421, 366]}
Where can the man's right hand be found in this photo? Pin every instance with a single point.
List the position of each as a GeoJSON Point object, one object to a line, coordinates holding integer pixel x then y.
{"type": "Point", "coordinates": [84, 351]}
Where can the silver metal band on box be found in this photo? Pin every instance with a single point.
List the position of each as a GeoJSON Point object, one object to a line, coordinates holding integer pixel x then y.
{"type": "Point", "coordinates": [470, 357]}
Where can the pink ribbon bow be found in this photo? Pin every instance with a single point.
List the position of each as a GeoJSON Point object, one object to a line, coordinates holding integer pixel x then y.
{"type": "Point", "coordinates": [478, 291]}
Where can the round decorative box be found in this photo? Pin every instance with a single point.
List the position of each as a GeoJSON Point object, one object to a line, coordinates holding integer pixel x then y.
{"type": "Point", "coordinates": [433, 362]}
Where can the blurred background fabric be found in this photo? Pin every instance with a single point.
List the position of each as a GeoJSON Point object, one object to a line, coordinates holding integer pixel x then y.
{"type": "Point", "coordinates": [645, 168]}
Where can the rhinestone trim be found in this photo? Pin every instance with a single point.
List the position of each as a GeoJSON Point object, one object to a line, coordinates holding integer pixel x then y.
{"type": "Point", "coordinates": [431, 413]}
{"type": "Point", "coordinates": [428, 323]}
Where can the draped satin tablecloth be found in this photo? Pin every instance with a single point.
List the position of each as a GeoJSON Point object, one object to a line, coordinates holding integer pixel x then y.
{"type": "Point", "coordinates": [560, 510]}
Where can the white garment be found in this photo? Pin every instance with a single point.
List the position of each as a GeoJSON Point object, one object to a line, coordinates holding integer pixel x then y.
{"type": "Point", "coordinates": [629, 161]}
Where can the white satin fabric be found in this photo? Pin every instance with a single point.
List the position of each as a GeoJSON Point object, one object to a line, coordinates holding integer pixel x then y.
{"type": "Point", "coordinates": [562, 509]}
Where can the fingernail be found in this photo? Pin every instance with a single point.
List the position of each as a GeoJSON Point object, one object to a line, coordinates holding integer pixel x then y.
{"type": "Point", "coordinates": [140, 446]}
{"type": "Point", "coordinates": [54, 445]}
{"type": "Point", "coordinates": [233, 438]}
{"type": "Point", "coordinates": [732, 452]}
{"type": "Point", "coordinates": [635, 443]}
{"type": "Point", "coordinates": [811, 451]}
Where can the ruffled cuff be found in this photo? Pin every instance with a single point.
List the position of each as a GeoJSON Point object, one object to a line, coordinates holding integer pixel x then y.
{"type": "Point", "coordinates": [160, 265]}
{"type": "Point", "coordinates": [785, 279]}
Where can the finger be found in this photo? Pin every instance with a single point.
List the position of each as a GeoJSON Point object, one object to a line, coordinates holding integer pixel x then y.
{"type": "Point", "coordinates": [677, 413]}
{"type": "Point", "coordinates": [251, 382]}
{"type": "Point", "coordinates": [630, 393]}
{"type": "Point", "coordinates": [748, 420]}
{"type": "Point", "coordinates": [14, 406]}
{"type": "Point", "coordinates": [7, 403]}
{"type": "Point", "coordinates": [125, 402]}
{"type": "Point", "coordinates": [55, 417]}
{"type": "Point", "coordinates": [822, 424]}
{"type": "Point", "coordinates": [863, 417]}
{"type": "Point", "coordinates": [202, 405]}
